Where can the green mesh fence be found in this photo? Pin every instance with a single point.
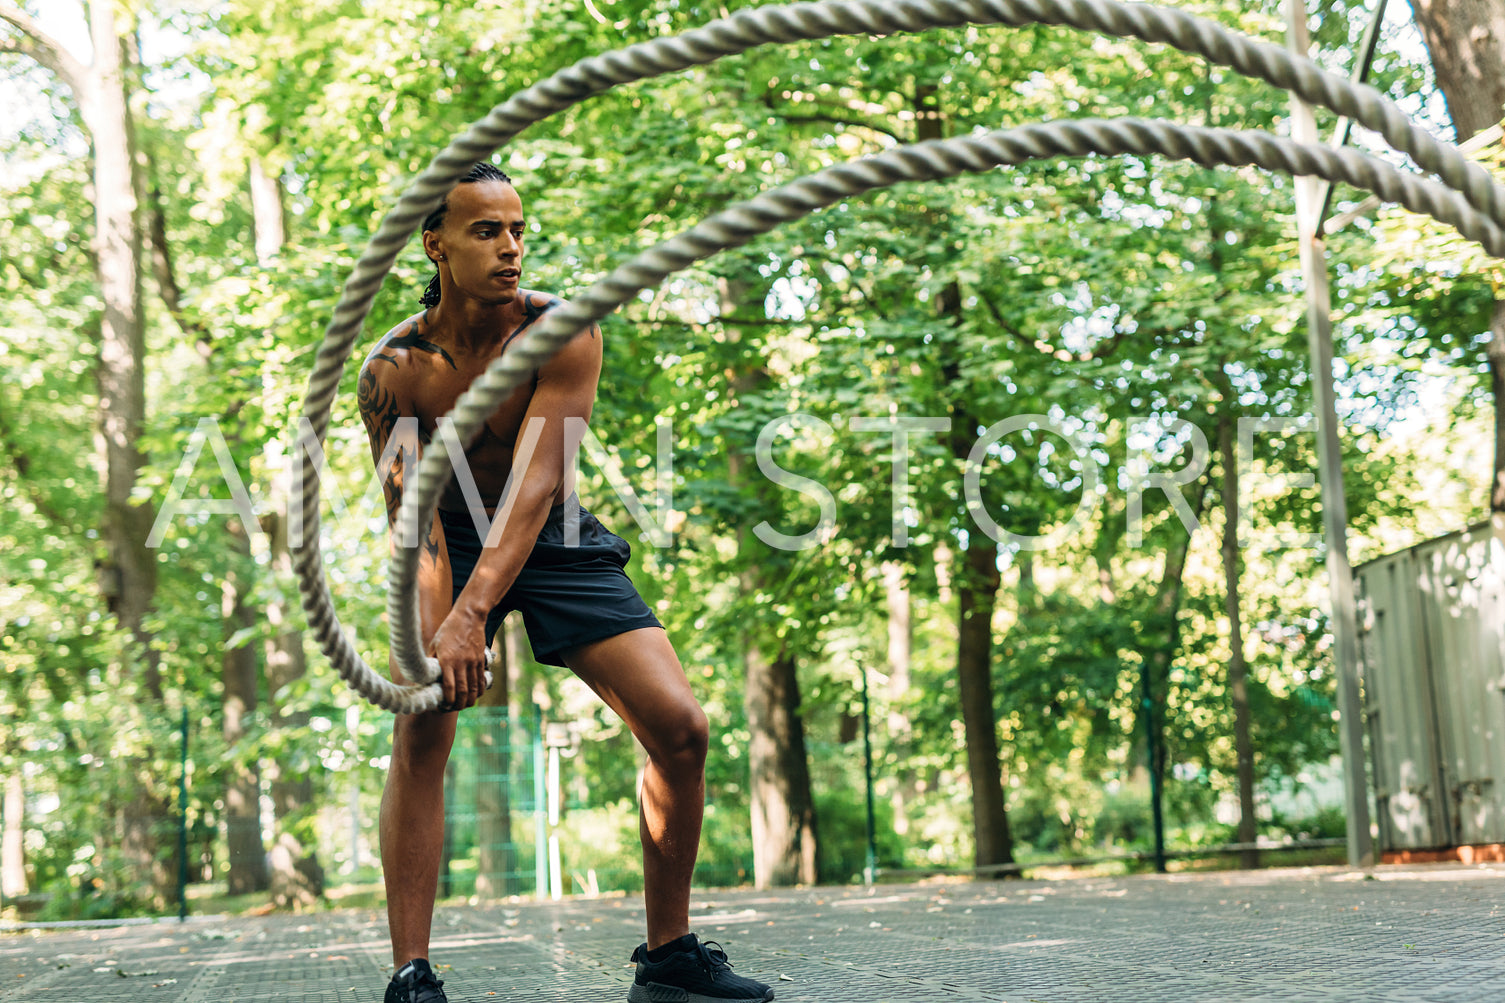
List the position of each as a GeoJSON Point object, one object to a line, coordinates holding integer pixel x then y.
{"type": "Point", "coordinates": [502, 839]}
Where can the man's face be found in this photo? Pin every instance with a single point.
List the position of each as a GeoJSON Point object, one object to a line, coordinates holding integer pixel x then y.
{"type": "Point", "coordinates": [482, 240]}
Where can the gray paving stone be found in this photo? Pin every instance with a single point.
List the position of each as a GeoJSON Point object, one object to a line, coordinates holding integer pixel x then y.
{"type": "Point", "coordinates": [1419, 935]}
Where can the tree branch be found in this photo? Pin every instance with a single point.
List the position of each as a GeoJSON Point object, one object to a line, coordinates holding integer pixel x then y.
{"type": "Point", "coordinates": [45, 49]}
{"type": "Point", "coordinates": [35, 281]}
{"type": "Point", "coordinates": [1102, 351]}
{"type": "Point", "coordinates": [730, 321]}
{"type": "Point", "coordinates": [837, 120]}
{"type": "Point", "coordinates": [166, 275]}
{"type": "Point", "coordinates": [1107, 348]}
{"type": "Point", "coordinates": [22, 464]}
{"type": "Point", "coordinates": [1040, 346]}
{"type": "Point", "coordinates": [831, 118]}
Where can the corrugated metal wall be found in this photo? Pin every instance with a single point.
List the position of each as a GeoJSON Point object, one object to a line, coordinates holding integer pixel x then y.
{"type": "Point", "coordinates": [1432, 640]}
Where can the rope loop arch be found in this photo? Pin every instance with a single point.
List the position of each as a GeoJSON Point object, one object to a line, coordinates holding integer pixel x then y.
{"type": "Point", "coordinates": [1467, 198]}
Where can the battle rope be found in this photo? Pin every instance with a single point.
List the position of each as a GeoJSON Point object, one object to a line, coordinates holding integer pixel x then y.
{"type": "Point", "coordinates": [1470, 200]}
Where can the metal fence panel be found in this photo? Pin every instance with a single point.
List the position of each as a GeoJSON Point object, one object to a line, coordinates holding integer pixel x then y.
{"type": "Point", "coordinates": [1433, 647]}
{"type": "Point", "coordinates": [1399, 707]}
{"type": "Point", "coordinates": [1460, 586]}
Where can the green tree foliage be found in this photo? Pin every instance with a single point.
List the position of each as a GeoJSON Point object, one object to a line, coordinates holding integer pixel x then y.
{"type": "Point", "coordinates": [1133, 302]}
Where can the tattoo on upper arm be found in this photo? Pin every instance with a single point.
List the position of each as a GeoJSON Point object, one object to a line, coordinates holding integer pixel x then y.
{"type": "Point", "coordinates": [392, 468]}
{"type": "Point", "coordinates": [391, 489]}
{"type": "Point", "coordinates": [394, 444]}
{"type": "Point", "coordinates": [378, 410]}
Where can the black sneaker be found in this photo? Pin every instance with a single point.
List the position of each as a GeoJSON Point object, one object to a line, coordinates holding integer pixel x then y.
{"type": "Point", "coordinates": [415, 983]}
{"type": "Point", "coordinates": [699, 975]}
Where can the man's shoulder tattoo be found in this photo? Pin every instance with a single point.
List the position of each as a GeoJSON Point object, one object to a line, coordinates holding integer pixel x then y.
{"type": "Point", "coordinates": [535, 305]}
{"type": "Point", "coordinates": [379, 352]}
{"type": "Point", "coordinates": [411, 338]}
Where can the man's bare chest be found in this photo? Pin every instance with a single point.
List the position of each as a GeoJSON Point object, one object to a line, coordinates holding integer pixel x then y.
{"type": "Point", "coordinates": [437, 395]}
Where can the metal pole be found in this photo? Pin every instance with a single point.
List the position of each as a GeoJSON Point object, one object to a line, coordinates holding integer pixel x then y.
{"type": "Point", "coordinates": [1330, 461]}
{"type": "Point", "coordinates": [540, 807]}
{"type": "Point", "coordinates": [541, 838]}
{"type": "Point", "coordinates": [870, 868]}
{"type": "Point", "coordinates": [353, 725]}
{"type": "Point", "coordinates": [556, 880]}
{"type": "Point", "coordinates": [183, 823]}
{"type": "Point", "coordinates": [1360, 74]}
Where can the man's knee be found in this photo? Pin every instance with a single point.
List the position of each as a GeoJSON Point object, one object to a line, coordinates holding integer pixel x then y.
{"type": "Point", "coordinates": [421, 743]}
{"type": "Point", "coordinates": [682, 738]}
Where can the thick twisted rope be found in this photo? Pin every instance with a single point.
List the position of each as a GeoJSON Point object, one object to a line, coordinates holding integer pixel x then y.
{"type": "Point", "coordinates": [1475, 205]}
{"type": "Point", "coordinates": [928, 161]}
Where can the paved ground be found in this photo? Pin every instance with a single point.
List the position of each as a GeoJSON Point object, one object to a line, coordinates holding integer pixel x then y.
{"type": "Point", "coordinates": [1407, 934]}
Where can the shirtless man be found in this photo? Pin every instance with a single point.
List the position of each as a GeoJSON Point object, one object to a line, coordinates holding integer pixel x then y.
{"type": "Point", "coordinates": [579, 607]}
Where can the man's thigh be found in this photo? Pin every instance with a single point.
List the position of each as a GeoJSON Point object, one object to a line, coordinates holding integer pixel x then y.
{"type": "Point", "coordinates": [638, 675]}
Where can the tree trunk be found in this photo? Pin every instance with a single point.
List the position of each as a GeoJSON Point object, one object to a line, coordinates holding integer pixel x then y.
{"type": "Point", "coordinates": [784, 832]}
{"type": "Point", "coordinates": [1026, 590]}
{"type": "Point", "coordinates": [783, 811]}
{"type": "Point", "coordinates": [976, 587]}
{"type": "Point", "coordinates": [127, 568]}
{"type": "Point", "coordinates": [497, 864]}
{"type": "Point", "coordinates": [247, 855]}
{"type": "Point", "coordinates": [1495, 353]}
{"type": "Point", "coordinates": [1466, 39]}
{"type": "Point", "coordinates": [128, 572]}
{"type": "Point", "coordinates": [12, 845]}
{"type": "Point", "coordinates": [266, 213]}
{"type": "Point", "coordinates": [900, 661]}
{"type": "Point", "coordinates": [900, 643]}
{"type": "Point", "coordinates": [297, 878]}
{"type": "Point", "coordinates": [976, 596]}
{"type": "Point", "coordinates": [1163, 636]}
{"type": "Point", "coordinates": [1238, 669]}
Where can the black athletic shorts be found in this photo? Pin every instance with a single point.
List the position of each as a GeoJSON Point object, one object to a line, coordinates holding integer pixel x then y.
{"type": "Point", "coordinates": [568, 595]}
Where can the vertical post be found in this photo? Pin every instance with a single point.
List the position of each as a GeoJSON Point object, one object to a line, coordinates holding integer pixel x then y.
{"type": "Point", "coordinates": [1330, 460]}
{"type": "Point", "coordinates": [540, 807]}
{"type": "Point", "coordinates": [353, 725]}
{"type": "Point", "coordinates": [870, 867]}
{"type": "Point", "coordinates": [556, 879]}
{"type": "Point", "coordinates": [1360, 74]}
{"type": "Point", "coordinates": [183, 823]}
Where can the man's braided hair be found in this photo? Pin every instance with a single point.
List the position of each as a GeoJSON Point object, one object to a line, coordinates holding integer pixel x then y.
{"type": "Point", "coordinates": [482, 171]}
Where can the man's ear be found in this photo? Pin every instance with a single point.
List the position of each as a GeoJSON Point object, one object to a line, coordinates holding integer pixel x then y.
{"type": "Point", "coordinates": [431, 246]}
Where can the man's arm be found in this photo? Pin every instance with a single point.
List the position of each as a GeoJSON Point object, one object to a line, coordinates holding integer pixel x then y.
{"type": "Point", "coordinates": [566, 388]}
{"type": "Point", "coordinates": [396, 445]}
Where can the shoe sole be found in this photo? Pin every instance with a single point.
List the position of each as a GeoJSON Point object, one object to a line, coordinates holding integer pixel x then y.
{"type": "Point", "coordinates": [653, 992]}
